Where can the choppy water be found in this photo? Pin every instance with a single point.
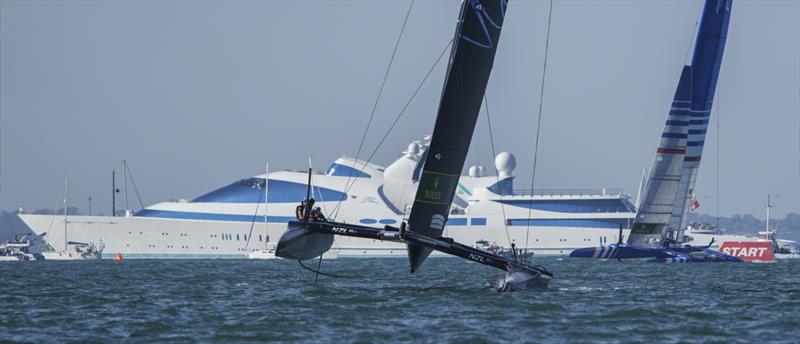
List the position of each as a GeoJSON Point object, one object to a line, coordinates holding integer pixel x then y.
{"type": "Point", "coordinates": [447, 301]}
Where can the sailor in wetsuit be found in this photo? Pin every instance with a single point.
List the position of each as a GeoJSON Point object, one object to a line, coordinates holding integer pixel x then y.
{"type": "Point", "coordinates": [300, 210]}
{"type": "Point", "coordinates": [316, 215]}
{"type": "Point", "coordinates": [309, 207]}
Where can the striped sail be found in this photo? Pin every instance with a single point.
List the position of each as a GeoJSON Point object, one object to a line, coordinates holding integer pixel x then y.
{"type": "Point", "coordinates": [471, 60]}
{"type": "Point", "coordinates": [706, 62]}
{"type": "Point", "coordinates": [662, 185]}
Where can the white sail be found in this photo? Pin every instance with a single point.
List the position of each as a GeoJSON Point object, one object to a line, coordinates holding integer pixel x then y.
{"type": "Point", "coordinates": [662, 185]}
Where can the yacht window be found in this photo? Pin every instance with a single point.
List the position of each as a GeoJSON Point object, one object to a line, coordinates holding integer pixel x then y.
{"type": "Point", "coordinates": [280, 191]}
{"type": "Point", "coordinates": [340, 170]}
{"type": "Point", "coordinates": [574, 206]}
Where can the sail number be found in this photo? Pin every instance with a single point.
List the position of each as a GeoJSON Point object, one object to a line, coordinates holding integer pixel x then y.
{"type": "Point", "coordinates": [477, 257]}
{"type": "Point", "coordinates": [339, 230]}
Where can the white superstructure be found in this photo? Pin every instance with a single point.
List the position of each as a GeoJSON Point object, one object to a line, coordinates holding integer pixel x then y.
{"type": "Point", "coordinates": [230, 222]}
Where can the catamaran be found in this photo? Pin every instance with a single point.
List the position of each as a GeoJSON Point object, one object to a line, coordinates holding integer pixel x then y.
{"type": "Point", "coordinates": [474, 45]}
{"type": "Point", "coordinates": [659, 229]}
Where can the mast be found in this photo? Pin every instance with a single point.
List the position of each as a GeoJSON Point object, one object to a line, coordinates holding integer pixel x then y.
{"type": "Point", "coordinates": [474, 46]}
{"type": "Point", "coordinates": [706, 62]}
{"type": "Point", "coordinates": [125, 184]}
{"type": "Point", "coordinates": [66, 183]}
{"type": "Point", "coordinates": [769, 205]}
{"type": "Point", "coordinates": [266, 204]}
{"type": "Point", "coordinates": [113, 193]}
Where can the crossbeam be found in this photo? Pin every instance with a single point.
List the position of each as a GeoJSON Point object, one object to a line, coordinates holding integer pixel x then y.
{"type": "Point", "coordinates": [389, 233]}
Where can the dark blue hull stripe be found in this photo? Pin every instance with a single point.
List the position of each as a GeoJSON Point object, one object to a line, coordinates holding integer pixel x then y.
{"type": "Point", "coordinates": [460, 221]}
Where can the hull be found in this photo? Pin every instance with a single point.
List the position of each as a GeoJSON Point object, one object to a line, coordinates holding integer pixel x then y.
{"type": "Point", "coordinates": [262, 255]}
{"type": "Point", "coordinates": [142, 237]}
{"type": "Point", "coordinates": [60, 255]}
{"type": "Point", "coordinates": [10, 259]}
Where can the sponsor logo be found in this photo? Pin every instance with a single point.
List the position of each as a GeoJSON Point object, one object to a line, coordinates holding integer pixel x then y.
{"type": "Point", "coordinates": [437, 221]}
{"type": "Point", "coordinates": [748, 251]}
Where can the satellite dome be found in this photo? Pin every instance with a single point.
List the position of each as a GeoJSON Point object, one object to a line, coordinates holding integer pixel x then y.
{"type": "Point", "coordinates": [505, 163]}
{"type": "Point", "coordinates": [473, 171]}
{"type": "Point", "coordinates": [413, 149]}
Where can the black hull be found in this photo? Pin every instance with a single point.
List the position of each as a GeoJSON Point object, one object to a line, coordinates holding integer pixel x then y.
{"type": "Point", "coordinates": [301, 243]}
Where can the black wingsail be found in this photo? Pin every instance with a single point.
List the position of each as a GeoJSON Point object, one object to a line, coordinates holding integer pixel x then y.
{"type": "Point", "coordinates": [471, 60]}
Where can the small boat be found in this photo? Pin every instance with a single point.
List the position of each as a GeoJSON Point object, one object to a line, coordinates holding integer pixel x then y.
{"type": "Point", "coordinates": [783, 249]}
{"type": "Point", "coordinates": [267, 253]}
{"type": "Point", "coordinates": [74, 251]}
{"type": "Point", "coordinates": [17, 250]}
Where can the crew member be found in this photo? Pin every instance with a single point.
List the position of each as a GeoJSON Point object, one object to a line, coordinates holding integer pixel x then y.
{"type": "Point", "coordinates": [307, 210]}
{"type": "Point", "coordinates": [300, 210]}
{"type": "Point", "coordinates": [316, 215]}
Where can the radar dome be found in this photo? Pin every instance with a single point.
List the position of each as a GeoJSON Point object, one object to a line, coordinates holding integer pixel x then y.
{"type": "Point", "coordinates": [505, 163]}
{"type": "Point", "coordinates": [413, 149]}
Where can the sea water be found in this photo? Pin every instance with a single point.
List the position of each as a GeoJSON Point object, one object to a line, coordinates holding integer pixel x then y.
{"type": "Point", "coordinates": [378, 300]}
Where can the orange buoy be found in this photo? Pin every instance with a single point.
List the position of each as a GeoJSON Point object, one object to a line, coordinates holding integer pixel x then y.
{"type": "Point", "coordinates": [118, 256]}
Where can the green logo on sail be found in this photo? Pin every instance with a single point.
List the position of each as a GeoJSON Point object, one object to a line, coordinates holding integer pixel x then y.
{"type": "Point", "coordinates": [436, 187]}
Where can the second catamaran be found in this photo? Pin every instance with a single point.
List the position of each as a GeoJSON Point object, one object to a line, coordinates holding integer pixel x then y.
{"type": "Point", "coordinates": [658, 229]}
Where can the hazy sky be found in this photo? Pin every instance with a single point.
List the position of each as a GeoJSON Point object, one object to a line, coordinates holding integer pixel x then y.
{"type": "Point", "coordinates": [198, 94]}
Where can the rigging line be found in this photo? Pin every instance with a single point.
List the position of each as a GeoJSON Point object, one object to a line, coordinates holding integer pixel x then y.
{"type": "Point", "coordinates": [391, 127]}
{"type": "Point", "coordinates": [141, 204]}
{"type": "Point", "coordinates": [323, 273]}
{"type": "Point", "coordinates": [496, 172]}
{"type": "Point", "coordinates": [692, 38]}
{"type": "Point", "coordinates": [253, 222]}
{"type": "Point", "coordinates": [380, 92]}
{"type": "Point", "coordinates": [55, 210]}
{"type": "Point", "coordinates": [539, 121]}
{"type": "Point", "coordinates": [321, 198]}
{"type": "Point", "coordinates": [719, 103]}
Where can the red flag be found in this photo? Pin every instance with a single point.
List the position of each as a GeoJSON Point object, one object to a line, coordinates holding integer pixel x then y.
{"type": "Point", "coordinates": [694, 204]}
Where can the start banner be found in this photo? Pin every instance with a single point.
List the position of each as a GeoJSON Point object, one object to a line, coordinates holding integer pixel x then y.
{"type": "Point", "coordinates": [749, 251]}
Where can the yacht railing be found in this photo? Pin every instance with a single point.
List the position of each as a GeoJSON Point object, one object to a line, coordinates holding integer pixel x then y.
{"type": "Point", "coordinates": [570, 192]}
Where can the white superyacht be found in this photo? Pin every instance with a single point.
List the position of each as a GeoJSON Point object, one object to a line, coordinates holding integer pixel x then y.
{"type": "Point", "coordinates": [230, 222]}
